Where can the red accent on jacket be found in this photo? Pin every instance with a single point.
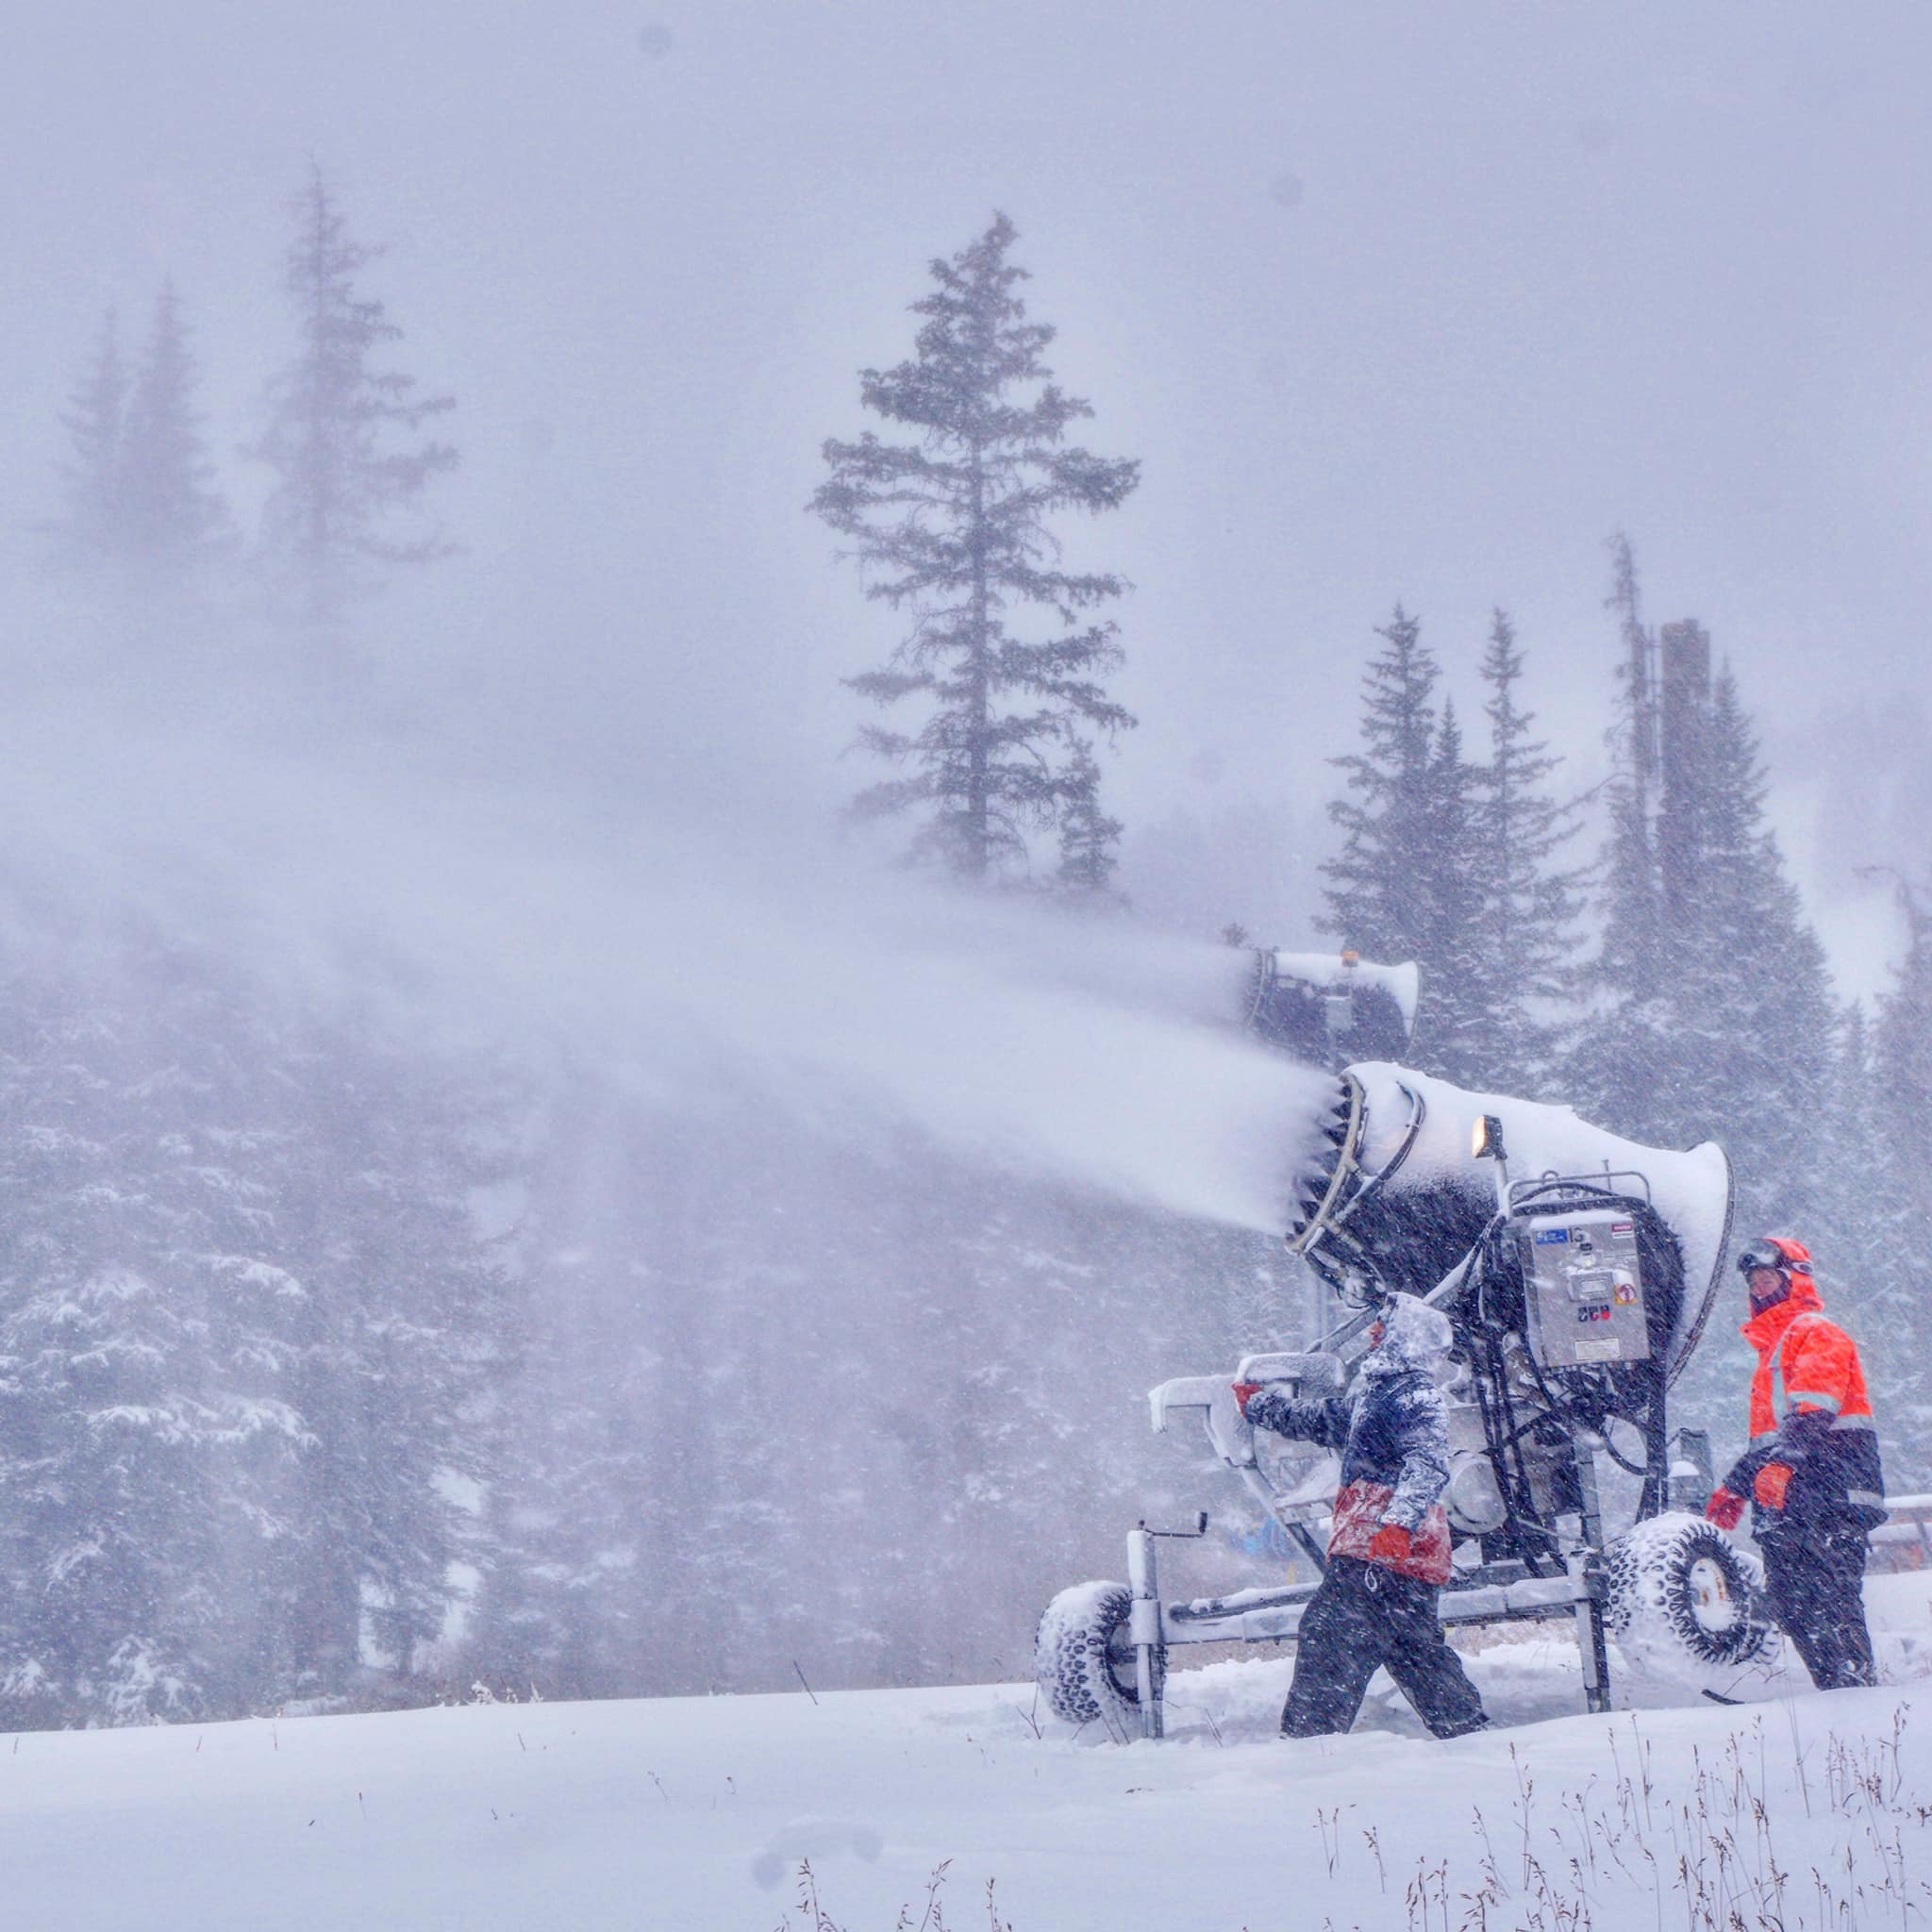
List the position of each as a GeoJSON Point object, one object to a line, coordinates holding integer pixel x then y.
{"type": "Point", "coordinates": [1359, 1511]}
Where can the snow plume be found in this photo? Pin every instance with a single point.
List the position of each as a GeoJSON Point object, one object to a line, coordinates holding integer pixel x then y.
{"type": "Point", "coordinates": [672, 945]}
{"type": "Point", "coordinates": [571, 1074]}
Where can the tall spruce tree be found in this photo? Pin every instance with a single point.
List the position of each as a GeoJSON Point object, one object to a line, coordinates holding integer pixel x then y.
{"type": "Point", "coordinates": [1902, 1052]}
{"type": "Point", "coordinates": [1408, 881]}
{"type": "Point", "coordinates": [169, 515]}
{"type": "Point", "coordinates": [1885, 1193]}
{"type": "Point", "coordinates": [342, 435]}
{"type": "Point", "coordinates": [1621, 1053]}
{"type": "Point", "coordinates": [1750, 1013]}
{"type": "Point", "coordinates": [1636, 732]}
{"type": "Point", "coordinates": [953, 524]}
{"type": "Point", "coordinates": [1531, 899]}
{"type": "Point", "coordinates": [1710, 1011]}
{"type": "Point", "coordinates": [91, 530]}
{"type": "Point", "coordinates": [1455, 1035]}
{"type": "Point", "coordinates": [1733, 1016]}
{"type": "Point", "coordinates": [1390, 825]}
{"type": "Point", "coordinates": [1867, 1241]}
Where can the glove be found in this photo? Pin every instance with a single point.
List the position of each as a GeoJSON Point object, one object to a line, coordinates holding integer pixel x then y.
{"type": "Point", "coordinates": [1724, 1509]}
{"type": "Point", "coordinates": [1774, 1480]}
{"type": "Point", "coordinates": [1244, 1392]}
{"type": "Point", "coordinates": [1392, 1544]}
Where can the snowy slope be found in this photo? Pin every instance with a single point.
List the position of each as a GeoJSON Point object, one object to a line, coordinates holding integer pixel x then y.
{"type": "Point", "coordinates": [694, 1814]}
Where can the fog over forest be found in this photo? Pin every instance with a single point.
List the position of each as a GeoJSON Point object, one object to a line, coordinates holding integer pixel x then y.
{"type": "Point", "coordinates": [507, 1178]}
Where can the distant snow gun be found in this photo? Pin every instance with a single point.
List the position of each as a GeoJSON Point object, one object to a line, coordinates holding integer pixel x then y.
{"type": "Point", "coordinates": [1327, 1008]}
{"type": "Point", "coordinates": [1577, 1270]}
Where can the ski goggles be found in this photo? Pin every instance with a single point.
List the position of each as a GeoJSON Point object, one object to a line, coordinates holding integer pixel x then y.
{"type": "Point", "coordinates": [1762, 1255]}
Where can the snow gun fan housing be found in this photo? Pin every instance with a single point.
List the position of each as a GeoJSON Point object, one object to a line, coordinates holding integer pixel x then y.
{"type": "Point", "coordinates": [1394, 1194]}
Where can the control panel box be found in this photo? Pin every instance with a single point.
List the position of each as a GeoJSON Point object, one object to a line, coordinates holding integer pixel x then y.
{"type": "Point", "coordinates": [1584, 1288]}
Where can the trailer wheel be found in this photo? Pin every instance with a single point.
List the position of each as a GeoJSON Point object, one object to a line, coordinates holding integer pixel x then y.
{"type": "Point", "coordinates": [1083, 1661]}
{"type": "Point", "coordinates": [1681, 1592]}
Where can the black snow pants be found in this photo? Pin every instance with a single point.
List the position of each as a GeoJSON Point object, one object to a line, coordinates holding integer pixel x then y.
{"type": "Point", "coordinates": [1816, 1585]}
{"type": "Point", "coordinates": [1363, 1615]}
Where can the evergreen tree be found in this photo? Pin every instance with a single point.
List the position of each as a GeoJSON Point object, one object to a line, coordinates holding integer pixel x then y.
{"type": "Point", "coordinates": [1710, 1011]}
{"type": "Point", "coordinates": [91, 530]}
{"type": "Point", "coordinates": [1883, 1200]}
{"type": "Point", "coordinates": [1752, 1018]}
{"type": "Point", "coordinates": [1456, 1033]}
{"type": "Point", "coordinates": [1621, 1053]}
{"type": "Point", "coordinates": [1392, 827]}
{"type": "Point", "coordinates": [1849, 1230]}
{"type": "Point", "coordinates": [1088, 837]}
{"type": "Point", "coordinates": [169, 515]}
{"type": "Point", "coordinates": [1531, 901]}
{"type": "Point", "coordinates": [243, 1322]}
{"type": "Point", "coordinates": [391, 1348]}
{"type": "Point", "coordinates": [1868, 1242]}
{"type": "Point", "coordinates": [342, 434]}
{"type": "Point", "coordinates": [1409, 882]}
{"type": "Point", "coordinates": [955, 525]}
{"type": "Point", "coordinates": [143, 1423]}
{"type": "Point", "coordinates": [1636, 733]}
{"type": "Point", "coordinates": [1902, 1046]}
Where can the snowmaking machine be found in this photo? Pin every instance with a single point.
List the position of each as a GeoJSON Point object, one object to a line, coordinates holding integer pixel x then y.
{"type": "Point", "coordinates": [1326, 1009]}
{"type": "Point", "coordinates": [1577, 1270]}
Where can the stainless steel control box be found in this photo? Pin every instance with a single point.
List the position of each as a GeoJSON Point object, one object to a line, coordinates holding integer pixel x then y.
{"type": "Point", "coordinates": [1584, 1287]}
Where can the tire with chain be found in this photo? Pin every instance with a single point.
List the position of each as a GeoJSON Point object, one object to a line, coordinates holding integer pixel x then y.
{"type": "Point", "coordinates": [1682, 1594]}
{"type": "Point", "coordinates": [1083, 1662]}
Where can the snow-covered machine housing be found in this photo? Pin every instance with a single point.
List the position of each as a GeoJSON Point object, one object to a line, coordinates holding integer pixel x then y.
{"type": "Point", "coordinates": [1577, 1270]}
{"type": "Point", "coordinates": [1392, 1181]}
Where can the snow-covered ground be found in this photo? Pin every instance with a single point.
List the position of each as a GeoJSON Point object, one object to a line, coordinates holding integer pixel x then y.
{"type": "Point", "coordinates": [695, 1814]}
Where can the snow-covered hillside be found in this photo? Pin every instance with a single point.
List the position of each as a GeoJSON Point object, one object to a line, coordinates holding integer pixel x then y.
{"type": "Point", "coordinates": [698, 1815]}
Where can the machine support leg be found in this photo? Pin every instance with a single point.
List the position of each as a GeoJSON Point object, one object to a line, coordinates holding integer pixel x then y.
{"type": "Point", "coordinates": [1586, 1566]}
{"type": "Point", "coordinates": [1144, 1627]}
{"type": "Point", "coordinates": [1589, 1635]}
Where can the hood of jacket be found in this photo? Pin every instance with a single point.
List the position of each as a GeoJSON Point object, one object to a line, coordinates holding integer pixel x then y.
{"type": "Point", "coordinates": [1414, 1336]}
{"type": "Point", "coordinates": [1763, 1330]}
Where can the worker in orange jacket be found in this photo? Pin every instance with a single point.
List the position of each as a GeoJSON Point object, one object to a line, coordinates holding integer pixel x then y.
{"type": "Point", "coordinates": [1812, 1472]}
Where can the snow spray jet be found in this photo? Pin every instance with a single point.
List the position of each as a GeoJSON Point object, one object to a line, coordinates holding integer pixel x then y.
{"type": "Point", "coordinates": [668, 957]}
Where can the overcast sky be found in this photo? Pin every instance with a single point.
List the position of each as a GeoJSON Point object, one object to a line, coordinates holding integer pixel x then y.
{"type": "Point", "coordinates": [1392, 301]}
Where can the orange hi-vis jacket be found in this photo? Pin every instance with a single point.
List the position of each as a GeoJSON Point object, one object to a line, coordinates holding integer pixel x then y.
{"type": "Point", "coordinates": [1809, 1411]}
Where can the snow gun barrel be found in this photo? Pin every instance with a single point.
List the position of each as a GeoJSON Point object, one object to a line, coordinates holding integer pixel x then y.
{"type": "Point", "coordinates": [1393, 1193]}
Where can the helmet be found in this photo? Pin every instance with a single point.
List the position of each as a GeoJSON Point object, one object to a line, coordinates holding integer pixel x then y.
{"type": "Point", "coordinates": [1779, 1252]}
